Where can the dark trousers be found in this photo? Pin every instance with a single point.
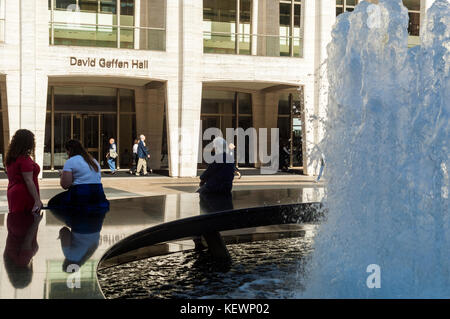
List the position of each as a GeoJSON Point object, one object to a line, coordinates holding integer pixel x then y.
{"type": "Point", "coordinates": [135, 160]}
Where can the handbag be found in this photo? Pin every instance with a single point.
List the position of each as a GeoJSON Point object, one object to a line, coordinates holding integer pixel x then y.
{"type": "Point", "coordinates": [112, 153]}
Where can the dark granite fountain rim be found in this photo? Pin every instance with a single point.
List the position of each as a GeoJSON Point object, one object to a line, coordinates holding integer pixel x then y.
{"type": "Point", "coordinates": [194, 226]}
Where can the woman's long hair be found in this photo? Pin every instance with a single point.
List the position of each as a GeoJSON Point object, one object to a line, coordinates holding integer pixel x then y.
{"type": "Point", "coordinates": [74, 148]}
{"type": "Point", "coordinates": [22, 144]}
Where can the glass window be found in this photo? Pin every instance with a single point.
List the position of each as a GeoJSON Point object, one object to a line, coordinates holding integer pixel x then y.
{"type": "Point", "coordinates": [284, 104]}
{"type": "Point", "coordinates": [152, 23]}
{"type": "Point", "coordinates": [48, 141]}
{"type": "Point", "coordinates": [64, 4]}
{"type": "Point", "coordinates": [245, 103]}
{"type": "Point", "coordinates": [126, 100]}
{"type": "Point", "coordinates": [127, 136]}
{"type": "Point", "coordinates": [89, 114]}
{"type": "Point", "coordinates": [86, 99]}
{"type": "Point", "coordinates": [290, 29]}
{"type": "Point", "coordinates": [298, 44]}
{"type": "Point", "coordinates": [218, 102]}
{"type": "Point", "coordinates": [95, 23]}
{"type": "Point", "coordinates": [88, 5]}
{"type": "Point", "coordinates": [413, 7]}
{"type": "Point", "coordinates": [219, 26]}
{"type": "Point", "coordinates": [290, 129]}
{"type": "Point", "coordinates": [345, 6]}
{"type": "Point", "coordinates": [108, 6]}
{"type": "Point", "coordinates": [412, 4]}
{"type": "Point", "coordinates": [244, 26]}
{"type": "Point", "coordinates": [127, 24]}
{"type": "Point", "coordinates": [219, 111]}
{"type": "Point", "coordinates": [127, 7]}
{"type": "Point", "coordinates": [414, 24]}
{"type": "Point", "coordinates": [85, 35]}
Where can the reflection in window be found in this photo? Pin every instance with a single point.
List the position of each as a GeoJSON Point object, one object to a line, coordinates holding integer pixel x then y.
{"type": "Point", "coordinates": [226, 26]}
{"type": "Point", "coordinates": [151, 34]}
{"type": "Point", "coordinates": [290, 28]}
{"type": "Point", "coordinates": [219, 26]}
{"type": "Point", "coordinates": [95, 23]}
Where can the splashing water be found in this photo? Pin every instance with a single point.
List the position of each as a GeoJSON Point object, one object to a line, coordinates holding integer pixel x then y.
{"type": "Point", "coordinates": [386, 145]}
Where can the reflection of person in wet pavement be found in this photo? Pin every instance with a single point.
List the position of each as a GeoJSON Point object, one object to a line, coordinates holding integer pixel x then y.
{"type": "Point", "coordinates": [218, 177]}
{"type": "Point", "coordinates": [21, 246]}
{"type": "Point", "coordinates": [215, 202]}
{"type": "Point", "coordinates": [24, 208]}
{"type": "Point", "coordinates": [82, 207]}
{"type": "Point", "coordinates": [82, 236]}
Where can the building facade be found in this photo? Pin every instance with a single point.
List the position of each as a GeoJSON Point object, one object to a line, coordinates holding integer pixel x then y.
{"type": "Point", "coordinates": [168, 69]}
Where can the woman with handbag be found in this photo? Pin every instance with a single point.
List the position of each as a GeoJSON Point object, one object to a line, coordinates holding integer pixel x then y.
{"type": "Point", "coordinates": [112, 155]}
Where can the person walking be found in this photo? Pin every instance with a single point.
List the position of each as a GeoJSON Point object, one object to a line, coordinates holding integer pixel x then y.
{"type": "Point", "coordinates": [135, 156]}
{"type": "Point", "coordinates": [81, 177]}
{"type": "Point", "coordinates": [142, 157]}
{"type": "Point", "coordinates": [23, 196]}
{"type": "Point", "coordinates": [112, 155]}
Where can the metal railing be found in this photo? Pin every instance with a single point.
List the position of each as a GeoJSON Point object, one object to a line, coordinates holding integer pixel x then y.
{"type": "Point", "coordinates": [252, 44]}
{"type": "Point", "coordinates": [102, 35]}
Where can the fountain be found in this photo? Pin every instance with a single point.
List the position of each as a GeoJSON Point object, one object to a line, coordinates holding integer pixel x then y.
{"type": "Point", "coordinates": [386, 147]}
{"type": "Point", "coordinates": [387, 230]}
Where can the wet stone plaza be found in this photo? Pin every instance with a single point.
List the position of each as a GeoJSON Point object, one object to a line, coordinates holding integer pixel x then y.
{"type": "Point", "coordinates": [261, 256]}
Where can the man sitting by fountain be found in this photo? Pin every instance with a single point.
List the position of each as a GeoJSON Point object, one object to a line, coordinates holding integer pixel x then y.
{"type": "Point", "coordinates": [218, 177]}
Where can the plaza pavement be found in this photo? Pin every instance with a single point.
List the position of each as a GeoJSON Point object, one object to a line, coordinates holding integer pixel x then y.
{"type": "Point", "coordinates": [127, 186]}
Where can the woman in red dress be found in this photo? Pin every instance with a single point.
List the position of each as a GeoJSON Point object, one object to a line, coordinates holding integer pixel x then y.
{"type": "Point", "coordinates": [23, 198]}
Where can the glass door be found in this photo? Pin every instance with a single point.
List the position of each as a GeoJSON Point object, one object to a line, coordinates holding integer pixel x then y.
{"type": "Point", "coordinates": [86, 129]}
{"type": "Point", "coordinates": [90, 135]}
{"type": "Point", "coordinates": [296, 160]}
{"type": "Point", "coordinates": [108, 125]}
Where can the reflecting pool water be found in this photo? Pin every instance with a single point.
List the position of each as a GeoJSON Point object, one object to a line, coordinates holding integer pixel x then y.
{"type": "Point", "coordinates": [257, 272]}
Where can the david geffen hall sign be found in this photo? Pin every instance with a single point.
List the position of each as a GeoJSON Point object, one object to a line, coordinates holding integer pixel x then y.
{"type": "Point", "coordinates": [109, 63]}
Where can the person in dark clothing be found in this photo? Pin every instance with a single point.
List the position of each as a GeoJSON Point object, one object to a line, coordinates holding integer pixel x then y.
{"type": "Point", "coordinates": [143, 155]}
{"type": "Point", "coordinates": [135, 157]}
{"type": "Point", "coordinates": [218, 177]}
{"type": "Point", "coordinates": [284, 153]}
{"type": "Point", "coordinates": [237, 172]}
